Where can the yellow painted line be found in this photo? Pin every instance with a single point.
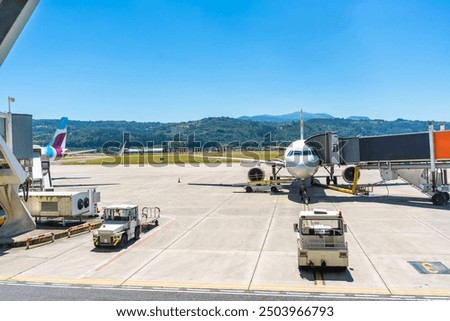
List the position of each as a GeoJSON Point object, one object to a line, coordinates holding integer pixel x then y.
{"type": "Point", "coordinates": [239, 287]}
{"type": "Point", "coordinates": [430, 292]}
{"type": "Point", "coordinates": [67, 280]}
{"type": "Point", "coordinates": [197, 285]}
{"type": "Point", "coordinates": [315, 289]}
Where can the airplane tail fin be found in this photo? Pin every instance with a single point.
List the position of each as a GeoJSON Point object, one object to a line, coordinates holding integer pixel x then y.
{"type": "Point", "coordinates": [126, 142]}
{"type": "Point", "coordinates": [59, 139]}
{"type": "Point", "coordinates": [122, 150]}
{"type": "Point", "coordinates": [301, 124]}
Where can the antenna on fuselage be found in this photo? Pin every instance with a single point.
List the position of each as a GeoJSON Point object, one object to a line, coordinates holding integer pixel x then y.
{"type": "Point", "coordinates": [301, 124]}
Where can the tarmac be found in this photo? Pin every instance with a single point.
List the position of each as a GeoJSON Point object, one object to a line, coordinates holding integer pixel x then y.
{"type": "Point", "coordinates": [214, 236]}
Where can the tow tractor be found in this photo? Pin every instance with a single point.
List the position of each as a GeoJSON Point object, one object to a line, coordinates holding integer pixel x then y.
{"type": "Point", "coordinates": [321, 239]}
{"type": "Point", "coordinates": [122, 222]}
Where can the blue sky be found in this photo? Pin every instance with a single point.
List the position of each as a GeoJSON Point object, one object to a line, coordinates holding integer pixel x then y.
{"type": "Point", "coordinates": [155, 60]}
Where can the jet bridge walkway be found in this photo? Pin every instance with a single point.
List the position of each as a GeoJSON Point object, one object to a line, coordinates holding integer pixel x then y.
{"type": "Point", "coordinates": [422, 159]}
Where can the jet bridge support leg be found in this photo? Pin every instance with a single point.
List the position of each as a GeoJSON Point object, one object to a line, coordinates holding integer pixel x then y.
{"type": "Point", "coordinates": [18, 219]}
{"type": "Point", "coordinates": [332, 177]}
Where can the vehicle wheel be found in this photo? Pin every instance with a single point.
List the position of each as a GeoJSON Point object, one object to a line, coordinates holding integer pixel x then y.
{"type": "Point", "coordinates": [137, 233]}
{"type": "Point", "coordinates": [273, 189]}
{"type": "Point", "coordinates": [335, 180]}
{"type": "Point", "coordinates": [446, 197]}
{"type": "Point", "coordinates": [328, 180]}
{"type": "Point", "coordinates": [156, 223]}
{"type": "Point", "coordinates": [438, 199]}
{"type": "Point", "coordinates": [124, 240]}
{"type": "Point", "coordinates": [248, 189]}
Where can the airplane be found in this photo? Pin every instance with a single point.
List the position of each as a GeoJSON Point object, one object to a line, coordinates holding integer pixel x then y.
{"type": "Point", "coordinates": [56, 149]}
{"type": "Point", "coordinates": [144, 150]}
{"type": "Point", "coordinates": [126, 150]}
{"type": "Point", "coordinates": [300, 160]}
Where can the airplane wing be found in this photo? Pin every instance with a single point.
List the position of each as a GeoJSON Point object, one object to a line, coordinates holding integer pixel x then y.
{"type": "Point", "coordinates": [87, 151]}
{"type": "Point", "coordinates": [271, 162]}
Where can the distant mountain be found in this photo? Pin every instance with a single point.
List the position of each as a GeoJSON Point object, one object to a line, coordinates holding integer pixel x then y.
{"type": "Point", "coordinates": [214, 130]}
{"type": "Point", "coordinates": [286, 117]}
{"type": "Point", "coordinates": [358, 118]}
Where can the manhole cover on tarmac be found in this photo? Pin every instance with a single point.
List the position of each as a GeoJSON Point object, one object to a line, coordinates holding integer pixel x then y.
{"type": "Point", "coordinates": [429, 267]}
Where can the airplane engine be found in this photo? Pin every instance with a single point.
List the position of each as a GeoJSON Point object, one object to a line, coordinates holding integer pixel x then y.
{"type": "Point", "coordinates": [50, 152]}
{"type": "Point", "coordinates": [256, 174]}
{"type": "Point", "coordinates": [349, 174]}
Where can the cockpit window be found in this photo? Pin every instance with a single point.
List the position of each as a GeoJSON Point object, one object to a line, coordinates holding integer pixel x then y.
{"type": "Point", "coordinates": [301, 152]}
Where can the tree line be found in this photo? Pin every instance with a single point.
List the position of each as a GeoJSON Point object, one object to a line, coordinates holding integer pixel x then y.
{"type": "Point", "coordinates": [223, 130]}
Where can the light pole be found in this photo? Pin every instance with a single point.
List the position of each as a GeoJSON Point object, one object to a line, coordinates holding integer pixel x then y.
{"type": "Point", "coordinates": [9, 123]}
{"type": "Point", "coordinates": [10, 100]}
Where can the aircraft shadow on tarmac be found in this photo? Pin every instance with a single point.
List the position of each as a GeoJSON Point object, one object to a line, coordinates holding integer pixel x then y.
{"type": "Point", "coordinates": [68, 177]}
{"type": "Point", "coordinates": [327, 274]}
{"type": "Point", "coordinates": [317, 194]}
{"type": "Point", "coordinates": [79, 185]}
{"type": "Point", "coordinates": [3, 249]}
{"type": "Point", "coordinates": [85, 185]}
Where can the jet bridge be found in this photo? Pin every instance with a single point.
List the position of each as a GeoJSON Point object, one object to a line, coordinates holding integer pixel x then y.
{"type": "Point", "coordinates": [15, 141]}
{"type": "Point", "coordinates": [12, 176]}
{"type": "Point", "coordinates": [13, 17]}
{"type": "Point", "coordinates": [421, 159]}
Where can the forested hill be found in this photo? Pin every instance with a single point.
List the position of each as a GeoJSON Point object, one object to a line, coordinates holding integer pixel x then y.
{"type": "Point", "coordinates": [93, 134]}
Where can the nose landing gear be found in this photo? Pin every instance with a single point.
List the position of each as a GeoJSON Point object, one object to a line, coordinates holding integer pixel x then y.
{"type": "Point", "coordinates": [304, 193]}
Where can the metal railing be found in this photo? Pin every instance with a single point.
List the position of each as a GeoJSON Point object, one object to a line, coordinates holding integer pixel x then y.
{"type": "Point", "coordinates": [151, 212]}
{"type": "Point", "coordinates": [323, 245]}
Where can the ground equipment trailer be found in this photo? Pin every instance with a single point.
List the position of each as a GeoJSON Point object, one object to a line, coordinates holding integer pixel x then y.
{"type": "Point", "coordinates": [122, 222]}
{"type": "Point", "coordinates": [321, 239]}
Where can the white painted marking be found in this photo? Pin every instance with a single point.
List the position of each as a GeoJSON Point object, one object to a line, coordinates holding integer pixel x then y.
{"type": "Point", "coordinates": [105, 287]}
{"type": "Point", "coordinates": [199, 290]}
{"type": "Point", "coordinates": [332, 294]}
{"type": "Point", "coordinates": [133, 287]}
{"type": "Point", "coordinates": [266, 292]}
{"type": "Point", "coordinates": [232, 291]}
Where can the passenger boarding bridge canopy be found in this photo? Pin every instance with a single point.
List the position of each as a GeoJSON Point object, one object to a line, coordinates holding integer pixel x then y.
{"type": "Point", "coordinates": [14, 14]}
{"type": "Point", "coordinates": [409, 147]}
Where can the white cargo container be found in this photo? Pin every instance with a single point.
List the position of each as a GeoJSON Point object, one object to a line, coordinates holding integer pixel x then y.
{"type": "Point", "coordinates": [64, 204]}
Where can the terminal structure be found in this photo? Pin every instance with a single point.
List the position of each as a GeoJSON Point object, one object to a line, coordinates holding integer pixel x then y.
{"type": "Point", "coordinates": [16, 149]}
{"type": "Point", "coordinates": [421, 159]}
{"type": "Point", "coordinates": [26, 192]}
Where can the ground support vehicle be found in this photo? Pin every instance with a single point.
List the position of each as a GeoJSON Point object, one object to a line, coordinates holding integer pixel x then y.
{"type": "Point", "coordinates": [122, 222]}
{"type": "Point", "coordinates": [321, 239]}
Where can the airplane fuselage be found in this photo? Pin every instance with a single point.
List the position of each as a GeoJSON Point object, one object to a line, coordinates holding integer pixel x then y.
{"type": "Point", "coordinates": [53, 153]}
{"type": "Point", "coordinates": [300, 160]}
